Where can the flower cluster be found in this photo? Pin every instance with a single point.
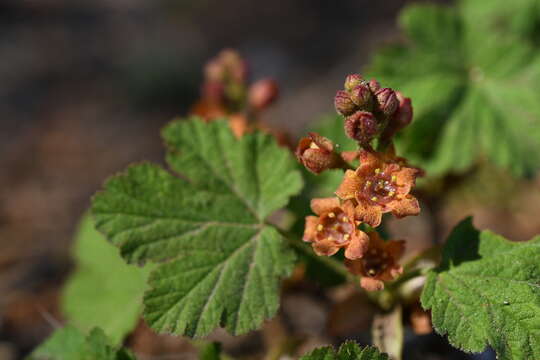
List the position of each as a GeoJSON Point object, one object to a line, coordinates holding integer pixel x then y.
{"type": "Point", "coordinates": [371, 111]}
{"type": "Point", "coordinates": [380, 184]}
{"type": "Point", "coordinates": [225, 92]}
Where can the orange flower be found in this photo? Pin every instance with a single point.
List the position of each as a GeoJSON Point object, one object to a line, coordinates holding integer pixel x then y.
{"type": "Point", "coordinates": [334, 228]}
{"type": "Point", "coordinates": [379, 264]}
{"type": "Point", "coordinates": [379, 185]}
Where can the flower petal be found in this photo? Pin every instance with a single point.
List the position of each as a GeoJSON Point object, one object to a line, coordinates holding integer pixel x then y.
{"type": "Point", "coordinates": [348, 187]}
{"type": "Point", "coordinates": [325, 248]}
{"type": "Point", "coordinates": [310, 229]}
{"type": "Point", "coordinates": [357, 246]}
{"type": "Point", "coordinates": [369, 159]}
{"type": "Point", "coordinates": [405, 179]}
{"type": "Point", "coordinates": [371, 284]}
{"type": "Point", "coordinates": [322, 142]}
{"type": "Point", "coordinates": [324, 205]}
{"type": "Point", "coordinates": [369, 214]}
{"type": "Point", "coordinates": [405, 206]}
{"type": "Point", "coordinates": [395, 248]}
{"type": "Point", "coordinates": [350, 155]}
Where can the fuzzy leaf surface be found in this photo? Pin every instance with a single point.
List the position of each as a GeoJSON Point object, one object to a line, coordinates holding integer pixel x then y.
{"type": "Point", "coordinates": [487, 292]}
{"type": "Point", "coordinates": [68, 343]}
{"type": "Point", "coordinates": [347, 351]}
{"type": "Point", "coordinates": [474, 93]}
{"type": "Point", "coordinates": [104, 291]}
{"type": "Point", "coordinates": [223, 261]}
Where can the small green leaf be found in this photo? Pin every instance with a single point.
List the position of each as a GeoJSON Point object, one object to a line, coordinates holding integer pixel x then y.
{"type": "Point", "coordinates": [104, 291]}
{"type": "Point", "coordinates": [347, 351]}
{"type": "Point", "coordinates": [68, 343]}
{"type": "Point", "coordinates": [474, 93]}
{"type": "Point", "coordinates": [487, 292]}
{"type": "Point", "coordinates": [224, 261]}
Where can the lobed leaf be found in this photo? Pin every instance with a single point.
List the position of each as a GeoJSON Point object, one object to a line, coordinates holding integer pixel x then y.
{"type": "Point", "coordinates": [487, 292]}
{"type": "Point", "coordinates": [474, 93]}
{"type": "Point", "coordinates": [347, 351]}
{"type": "Point", "coordinates": [224, 261]}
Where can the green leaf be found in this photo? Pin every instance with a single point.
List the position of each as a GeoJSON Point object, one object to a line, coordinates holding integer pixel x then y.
{"type": "Point", "coordinates": [224, 261]}
{"type": "Point", "coordinates": [487, 292]}
{"type": "Point", "coordinates": [521, 20]}
{"type": "Point", "coordinates": [68, 343]}
{"type": "Point", "coordinates": [474, 93]}
{"type": "Point", "coordinates": [347, 351]}
{"type": "Point", "coordinates": [104, 291]}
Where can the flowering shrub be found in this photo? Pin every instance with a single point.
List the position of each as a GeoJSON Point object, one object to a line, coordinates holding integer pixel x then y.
{"type": "Point", "coordinates": [212, 233]}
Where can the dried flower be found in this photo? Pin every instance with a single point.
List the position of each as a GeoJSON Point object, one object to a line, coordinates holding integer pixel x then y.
{"type": "Point", "coordinates": [263, 93]}
{"type": "Point", "coordinates": [334, 228]}
{"type": "Point", "coordinates": [379, 263]}
{"type": "Point", "coordinates": [317, 154]}
{"type": "Point", "coordinates": [387, 101]}
{"type": "Point", "coordinates": [352, 81]}
{"type": "Point", "coordinates": [361, 126]}
{"type": "Point", "coordinates": [362, 97]}
{"type": "Point", "coordinates": [343, 103]}
{"type": "Point", "coordinates": [379, 185]}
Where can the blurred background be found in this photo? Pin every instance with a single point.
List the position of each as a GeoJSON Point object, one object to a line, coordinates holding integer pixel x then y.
{"type": "Point", "coordinates": [85, 87]}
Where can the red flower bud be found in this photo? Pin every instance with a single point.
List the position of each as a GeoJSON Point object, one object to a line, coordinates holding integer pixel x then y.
{"type": "Point", "coordinates": [362, 126]}
{"type": "Point", "coordinates": [404, 113]}
{"type": "Point", "coordinates": [317, 154]}
{"type": "Point", "coordinates": [353, 80]}
{"type": "Point", "coordinates": [361, 95]}
{"type": "Point", "coordinates": [387, 101]}
{"type": "Point", "coordinates": [343, 103]}
{"type": "Point", "coordinates": [401, 118]}
{"type": "Point", "coordinates": [263, 93]}
{"type": "Point", "coordinates": [374, 85]}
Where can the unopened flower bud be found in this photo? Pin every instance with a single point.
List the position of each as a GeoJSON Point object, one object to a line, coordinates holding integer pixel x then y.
{"type": "Point", "coordinates": [404, 113]}
{"type": "Point", "coordinates": [361, 95]}
{"type": "Point", "coordinates": [387, 101]}
{"type": "Point", "coordinates": [343, 103]}
{"type": "Point", "coordinates": [317, 154]}
{"type": "Point", "coordinates": [362, 126]}
{"type": "Point", "coordinates": [213, 91]}
{"type": "Point", "coordinates": [401, 118]}
{"type": "Point", "coordinates": [214, 71]}
{"type": "Point", "coordinates": [263, 93]}
{"type": "Point", "coordinates": [352, 81]}
{"type": "Point", "coordinates": [374, 85]}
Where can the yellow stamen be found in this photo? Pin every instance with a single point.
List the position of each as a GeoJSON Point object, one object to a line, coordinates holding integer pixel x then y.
{"type": "Point", "coordinates": [394, 178]}
{"type": "Point", "coordinates": [346, 237]}
{"type": "Point", "coordinates": [345, 219]}
{"type": "Point", "coordinates": [371, 272]}
{"type": "Point", "coordinates": [313, 146]}
{"type": "Point", "coordinates": [377, 170]}
{"type": "Point", "coordinates": [320, 227]}
{"type": "Point", "coordinates": [331, 215]}
{"type": "Point", "coordinates": [374, 198]}
{"type": "Point", "coordinates": [368, 183]}
{"type": "Point", "coordinates": [391, 193]}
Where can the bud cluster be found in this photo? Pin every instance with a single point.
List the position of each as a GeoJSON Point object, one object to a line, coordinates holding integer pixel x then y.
{"type": "Point", "coordinates": [370, 110]}
{"type": "Point", "coordinates": [380, 184]}
{"type": "Point", "coordinates": [226, 92]}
